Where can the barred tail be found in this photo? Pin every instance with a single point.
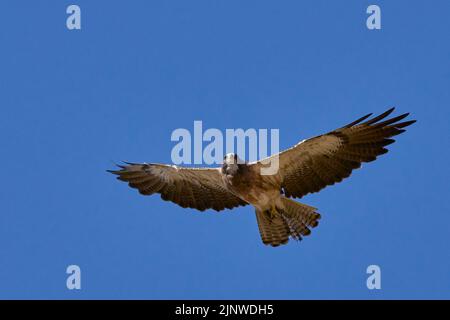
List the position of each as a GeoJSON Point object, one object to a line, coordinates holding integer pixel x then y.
{"type": "Point", "coordinates": [293, 220]}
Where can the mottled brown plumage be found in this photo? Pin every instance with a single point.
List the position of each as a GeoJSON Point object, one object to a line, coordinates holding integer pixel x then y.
{"type": "Point", "coordinates": [308, 167]}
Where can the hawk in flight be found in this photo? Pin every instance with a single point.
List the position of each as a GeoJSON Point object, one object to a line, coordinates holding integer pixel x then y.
{"type": "Point", "coordinates": [307, 167]}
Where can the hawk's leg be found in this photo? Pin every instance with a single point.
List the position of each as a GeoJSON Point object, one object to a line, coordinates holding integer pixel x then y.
{"type": "Point", "coordinates": [272, 212]}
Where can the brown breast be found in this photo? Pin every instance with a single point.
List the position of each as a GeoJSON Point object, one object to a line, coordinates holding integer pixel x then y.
{"type": "Point", "coordinates": [248, 184]}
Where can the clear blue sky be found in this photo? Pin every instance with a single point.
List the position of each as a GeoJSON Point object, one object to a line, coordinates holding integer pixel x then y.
{"type": "Point", "coordinates": [73, 102]}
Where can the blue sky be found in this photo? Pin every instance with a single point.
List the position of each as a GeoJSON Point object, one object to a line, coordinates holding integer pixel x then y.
{"type": "Point", "coordinates": [74, 102]}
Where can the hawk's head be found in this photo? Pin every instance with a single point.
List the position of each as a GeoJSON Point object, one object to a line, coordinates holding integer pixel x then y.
{"type": "Point", "coordinates": [231, 163]}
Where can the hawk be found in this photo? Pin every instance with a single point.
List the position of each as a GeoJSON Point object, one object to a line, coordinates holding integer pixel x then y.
{"type": "Point", "coordinates": [307, 167]}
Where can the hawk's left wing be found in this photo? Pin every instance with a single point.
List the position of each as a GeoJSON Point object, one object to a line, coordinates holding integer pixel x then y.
{"type": "Point", "coordinates": [315, 163]}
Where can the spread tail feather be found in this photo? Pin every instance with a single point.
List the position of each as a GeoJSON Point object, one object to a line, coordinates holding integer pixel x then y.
{"type": "Point", "coordinates": [291, 219]}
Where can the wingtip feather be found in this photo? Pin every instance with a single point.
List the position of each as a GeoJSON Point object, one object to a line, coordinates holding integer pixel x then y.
{"type": "Point", "coordinates": [351, 124]}
{"type": "Point", "coordinates": [380, 117]}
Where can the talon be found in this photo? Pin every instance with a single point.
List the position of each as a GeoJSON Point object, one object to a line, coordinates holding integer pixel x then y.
{"type": "Point", "coordinates": [273, 211]}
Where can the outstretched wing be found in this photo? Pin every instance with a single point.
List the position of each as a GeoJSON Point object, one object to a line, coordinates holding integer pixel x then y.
{"type": "Point", "coordinates": [315, 163]}
{"type": "Point", "coordinates": [199, 188]}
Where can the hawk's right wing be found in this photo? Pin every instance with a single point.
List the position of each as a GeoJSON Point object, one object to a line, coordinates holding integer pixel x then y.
{"type": "Point", "coordinates": [198, 188]}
